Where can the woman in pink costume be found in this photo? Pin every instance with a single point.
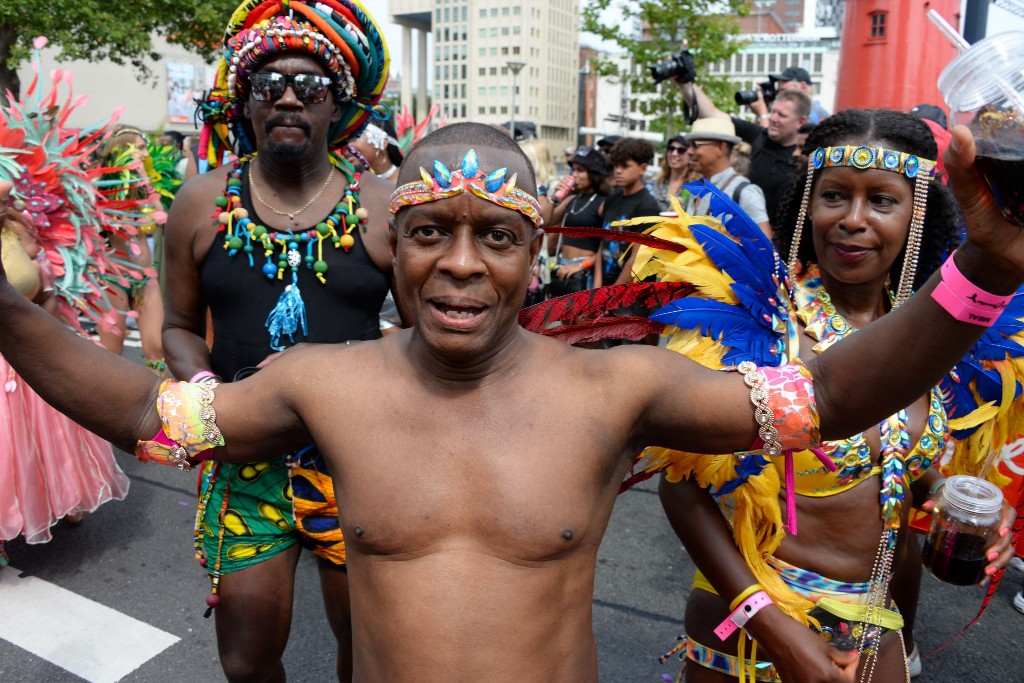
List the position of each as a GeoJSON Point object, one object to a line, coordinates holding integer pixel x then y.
{"type": "Point", "coordinates": [50, 468]}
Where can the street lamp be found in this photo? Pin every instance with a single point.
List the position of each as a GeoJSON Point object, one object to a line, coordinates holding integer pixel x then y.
{"type": "Point", "coordinates": [515, 68]}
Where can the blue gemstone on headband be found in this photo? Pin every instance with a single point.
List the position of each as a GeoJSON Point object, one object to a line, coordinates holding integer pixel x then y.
{"type": "Point", "coordinates": [837, 155]}
{"type": "Point", "coordinates": [818, 158]}
{"type": "Point", "coordinates": [912, 166]}
{"type": "Point", "coordinates": [891, 161]}
{"type": "Point", "coordinates": [470, 165]}
{"type": "Point", "coordinates": [495, 179]}
{"type": "Point", "coordinates": [442, 175]}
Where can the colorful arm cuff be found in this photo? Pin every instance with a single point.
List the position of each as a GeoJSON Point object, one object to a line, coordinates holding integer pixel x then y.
{"type": "Point", "coordinates": [784, 406]}
{"type": "Point", "coordinates": [189, 430]}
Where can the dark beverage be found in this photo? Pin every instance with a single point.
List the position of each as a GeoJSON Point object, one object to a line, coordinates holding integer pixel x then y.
{"type": "Point", "coordinates": [955, 557]}
{"type": "Point", "coordinates": [1005, 180]}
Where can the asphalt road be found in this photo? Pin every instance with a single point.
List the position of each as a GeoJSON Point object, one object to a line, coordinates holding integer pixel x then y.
{"type": "Point", "coordinates": [135, 557]}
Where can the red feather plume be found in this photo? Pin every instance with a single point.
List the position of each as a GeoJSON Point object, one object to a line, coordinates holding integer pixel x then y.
{"type": "Point", "coordinates": [631, 327]}
{"type": "Point", "coordinates": [616, 235]}
{"type": "Point", "coordinates": [596, 303]}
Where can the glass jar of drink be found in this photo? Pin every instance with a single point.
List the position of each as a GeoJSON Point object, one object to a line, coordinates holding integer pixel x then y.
{"type": "Point", "coordinates": [964, 523]}
{"type": "Point", "coordinates": [984, 88]}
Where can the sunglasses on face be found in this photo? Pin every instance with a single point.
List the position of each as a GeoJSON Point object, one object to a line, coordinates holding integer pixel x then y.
{"type": "Point", "coordinates": [701, 143]}
{"type": "Point", "coordinates": [676, 149]}
{"type": "Point", "coordinates": [269, 86]}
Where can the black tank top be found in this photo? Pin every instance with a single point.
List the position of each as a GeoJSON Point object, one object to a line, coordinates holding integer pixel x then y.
{"type": "Point", "coordinates": [585, 207]}
{"type": "Point", "coordinates": [240, 299]}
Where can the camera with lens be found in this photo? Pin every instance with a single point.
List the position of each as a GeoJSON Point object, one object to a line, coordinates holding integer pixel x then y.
{"type": "Point", "coordinates": [679, 65]}
{"type": "Point", "coordinates": [750, 96]}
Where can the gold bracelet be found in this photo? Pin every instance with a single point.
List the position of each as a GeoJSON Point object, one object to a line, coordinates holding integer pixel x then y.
{"type": "Point", "coordinates": [764, 416]}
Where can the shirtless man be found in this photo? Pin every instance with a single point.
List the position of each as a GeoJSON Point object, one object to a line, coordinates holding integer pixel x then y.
{"type": "Point", "coordinates": [475, 496]}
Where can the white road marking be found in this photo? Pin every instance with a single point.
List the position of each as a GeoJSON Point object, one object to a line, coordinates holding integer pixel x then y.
{"type": "Point", "coordinates": [84, 637]}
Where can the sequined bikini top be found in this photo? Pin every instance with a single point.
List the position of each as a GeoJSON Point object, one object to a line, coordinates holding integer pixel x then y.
{"type": "Point", "coordinates": [852, 456]}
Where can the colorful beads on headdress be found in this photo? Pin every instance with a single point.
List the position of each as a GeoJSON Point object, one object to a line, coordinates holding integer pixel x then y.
{"type": "Point", "coordinates": [338, 33]}
{"type": "Point", "coordinates": [864, 158]}
{"type": "Point", "coordinates": [496, 187]}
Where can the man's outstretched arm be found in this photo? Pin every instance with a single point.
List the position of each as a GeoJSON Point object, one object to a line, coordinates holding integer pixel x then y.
{"type": "Point", "coordinates": [116, 398]}
{"type": "Point", "coordinates": [866, 377]}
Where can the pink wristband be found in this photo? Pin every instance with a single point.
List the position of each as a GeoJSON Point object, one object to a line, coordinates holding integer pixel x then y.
{"type": "Point", "coordinates": [202, 374]}
{"type": "Point", "coordinates": [966, 301]}
{"type": "Point", "coordinates": [742, 614]}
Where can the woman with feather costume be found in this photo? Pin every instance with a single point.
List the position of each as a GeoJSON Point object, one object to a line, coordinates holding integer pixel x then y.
{"type": "Point", "coordinates": [52, 468]}
{"type": "Point", "coordinates": [862, 217]}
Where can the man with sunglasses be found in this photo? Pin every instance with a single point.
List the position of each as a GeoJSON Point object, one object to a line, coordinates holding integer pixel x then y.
{"type": "Point", "coordinates": [295, 252]}
{"type": "Point", "coordinates": [711, 142]}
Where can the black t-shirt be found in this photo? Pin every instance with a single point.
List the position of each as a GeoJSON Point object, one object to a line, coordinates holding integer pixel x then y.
{"type": "Point", "coordinates": [622, 207]}
{"type": "Point", "coordinates": [582, 212]}
{"type": "Point", "coordinates": [771, 165]}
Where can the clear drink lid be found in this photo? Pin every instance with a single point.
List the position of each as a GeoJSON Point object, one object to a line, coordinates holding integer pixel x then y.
{"type": "Point", "coordinates": [979, 75]}
{"type": "Point", "coordinates": [972, 494]}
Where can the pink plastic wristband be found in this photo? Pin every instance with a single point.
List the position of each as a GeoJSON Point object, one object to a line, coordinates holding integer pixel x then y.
{"type": "Point", "coordinates": [202, 374]}
{"type": "Point", "coordinates": [742, 614]}
{"type": "Point", "coordinates": [966, 301]}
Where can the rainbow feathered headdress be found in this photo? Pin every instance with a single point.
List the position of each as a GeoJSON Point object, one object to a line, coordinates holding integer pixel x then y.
{"type": "Point", "coordinates": [339, 33]}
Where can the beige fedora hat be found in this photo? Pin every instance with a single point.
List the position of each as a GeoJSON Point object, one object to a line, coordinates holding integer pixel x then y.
{"type": "Point", "coordinates": [720, 130]}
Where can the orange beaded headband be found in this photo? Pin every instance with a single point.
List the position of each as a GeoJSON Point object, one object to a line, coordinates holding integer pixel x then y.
{"type": "Point", "coordinates": [495, 187]}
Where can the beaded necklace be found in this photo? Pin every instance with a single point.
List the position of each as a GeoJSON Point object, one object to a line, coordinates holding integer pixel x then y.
{"type": "Point", "coordinates": [283, 249]}
{"type": "Point", "coordinates": [853, 458]}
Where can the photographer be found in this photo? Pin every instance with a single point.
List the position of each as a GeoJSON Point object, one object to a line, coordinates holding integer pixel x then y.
{"type": "Point", "coordinates": [772, 163]}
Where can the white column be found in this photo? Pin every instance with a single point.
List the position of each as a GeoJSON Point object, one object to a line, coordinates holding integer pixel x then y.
{"type": "Point", "coordinates": [421, 91]}
{"type": "Point", "coordinates": [407, 67]}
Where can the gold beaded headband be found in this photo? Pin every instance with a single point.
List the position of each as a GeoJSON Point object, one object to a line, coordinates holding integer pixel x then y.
{"type": "Point", "coordinates": [496, 187]}
{"type": "Point", "coordinates": [864, 158]}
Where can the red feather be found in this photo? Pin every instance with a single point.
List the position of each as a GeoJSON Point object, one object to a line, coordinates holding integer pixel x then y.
{"type": "Point", "coordinates": [629, 327]}
{"type": "Point", "coordinates": [616, 235]}
{"type": "Point", "coordinates": [597, 302]}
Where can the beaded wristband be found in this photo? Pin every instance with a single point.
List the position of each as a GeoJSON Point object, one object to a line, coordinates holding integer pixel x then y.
{"type": "Point", "coordinates": [964, 300]}
{"type": "Point", "coordinates": [747, 592]}
{"type": "Point", "coordinates": [754, 379]}
{"type": "Point", "coordinates": [742, 614]}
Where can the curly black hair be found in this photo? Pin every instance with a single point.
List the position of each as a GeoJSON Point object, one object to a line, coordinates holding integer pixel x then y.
{"type": "Point", "coordinates": [631, 149]}
{"type": "Point", "coordinates": [877, 128]}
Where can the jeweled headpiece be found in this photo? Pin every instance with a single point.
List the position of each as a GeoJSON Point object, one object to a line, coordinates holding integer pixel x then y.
{"type": "Point", "coordinates": [339, 33]}
{"type": "Point", "coordinates": [864, 158]}
{"type": "Point", "coordinates": [496, 187]}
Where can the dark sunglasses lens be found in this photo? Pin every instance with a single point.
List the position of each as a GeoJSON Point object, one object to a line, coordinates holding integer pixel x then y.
{"type": "Point", "coordinates": [310, 89]}
{"type": "Point", "coordinates": [676, 149]}
{"type": "Point", "coordinates": [267, 87]}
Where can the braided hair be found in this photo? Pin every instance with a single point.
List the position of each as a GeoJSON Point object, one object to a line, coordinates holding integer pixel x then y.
{"type": "Point", "coordinates": [877, 128]}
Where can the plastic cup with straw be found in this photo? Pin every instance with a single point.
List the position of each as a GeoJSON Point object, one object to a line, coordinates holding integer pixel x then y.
{"type": "Point", "coordinates": [983, 87]}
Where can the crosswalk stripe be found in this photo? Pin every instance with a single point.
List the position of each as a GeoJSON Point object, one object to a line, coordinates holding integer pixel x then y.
{"type": "Point", "coordinates": [90, 640]}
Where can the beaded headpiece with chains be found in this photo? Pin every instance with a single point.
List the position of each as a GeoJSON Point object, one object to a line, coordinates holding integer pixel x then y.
{"type": "Point", "coordinates": [496, 187]}
{"type": "Point", "coordinates": [338, 33]}
{"type": "Point", "coordinates": [864, 158]}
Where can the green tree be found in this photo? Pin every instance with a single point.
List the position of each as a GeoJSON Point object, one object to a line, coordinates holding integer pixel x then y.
{"type": "Point", "coordinates": [649, 31]}
{"type": "Point", "coordinates": [100, 29]}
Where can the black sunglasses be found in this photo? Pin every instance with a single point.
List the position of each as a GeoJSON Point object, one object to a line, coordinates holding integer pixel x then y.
{"type": "Point", "coordinates": [269, 86]}
{"type": "Point", "coordinates": [676, 149]}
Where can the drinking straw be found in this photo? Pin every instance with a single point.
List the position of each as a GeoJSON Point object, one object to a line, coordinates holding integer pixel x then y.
{"type": "Point", "coordinates": [962, 45]}
{"type": "Point", "coordinates": [951, 33]}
